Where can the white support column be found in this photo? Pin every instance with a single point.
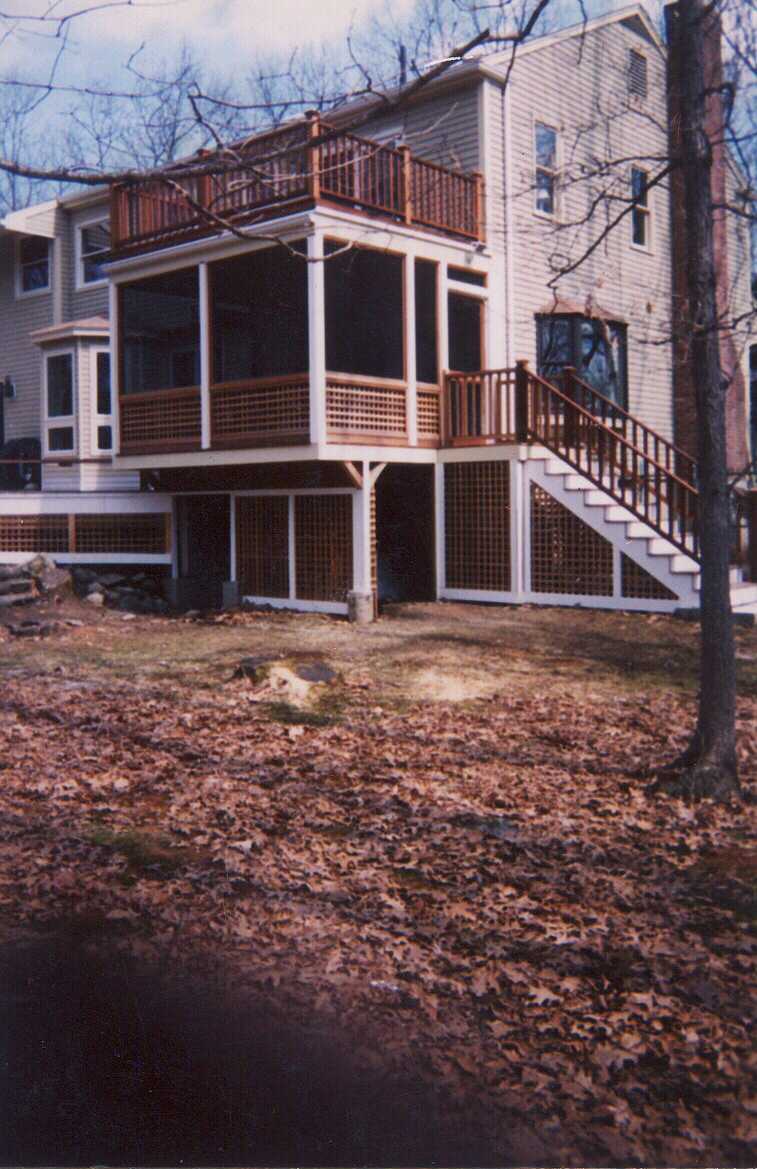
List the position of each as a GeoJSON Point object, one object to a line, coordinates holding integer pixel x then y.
{"type": "Point", "coordinates": [232, 537]}
{"type": "Point", "coordinates": [175, 573]}
{"type": "Point", "coordinates": [204, 356]}
{"type": "Point", "coordinates": [360, 597]}
{"type": "Point", "coordinates": [525, 525]}
{"type": "Point", "coordinates": [410, 355]}
{"type": "Point", "coordinates": [442, 314]}
{"type": "Point", "coordinates": [518, 522]}
{"type": "Point", "coordinates": [292, 552]}
{"type": "Point", "coordinates": [441, 576]}
{"type": "Point", "coordinates": [317, 337]}
{"type": "Point", "coordinates": [115, 372]}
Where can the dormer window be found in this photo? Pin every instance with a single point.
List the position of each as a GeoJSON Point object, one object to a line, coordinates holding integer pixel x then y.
{"type": "Point", "coordinates": [637, 74]}
{"type": "Point", "coordinates": [33, 265]}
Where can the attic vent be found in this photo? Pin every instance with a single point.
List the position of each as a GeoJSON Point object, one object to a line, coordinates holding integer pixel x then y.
{"type": "Point", "coordinates": [637, 74]}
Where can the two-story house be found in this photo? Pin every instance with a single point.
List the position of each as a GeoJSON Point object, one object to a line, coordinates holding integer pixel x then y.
{"type": "Point", "coordinates": [372, 370]}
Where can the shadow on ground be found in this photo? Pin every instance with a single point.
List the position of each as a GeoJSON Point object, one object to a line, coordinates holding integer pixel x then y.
{"type": "Point", "coordinates": [103, 1062]}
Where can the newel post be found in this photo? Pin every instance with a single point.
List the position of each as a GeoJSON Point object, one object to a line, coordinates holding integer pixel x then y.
{"type": "Point", "coordinates": [313, 153]}
{"type": "Point", "coordinates": [521, 401]}
{"type": "Point", "coordinates": [407, 181]}
{"type": "Point", "coordinates": [570, 420]}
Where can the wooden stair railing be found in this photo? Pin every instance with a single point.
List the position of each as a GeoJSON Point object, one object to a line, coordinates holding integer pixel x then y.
{"type": "Point", "coordinates": [626, 470]}
{"type": "Point", "coordinates": [641, 436]}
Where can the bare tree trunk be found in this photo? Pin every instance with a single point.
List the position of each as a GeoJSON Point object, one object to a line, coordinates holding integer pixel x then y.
{"type": "Point", "coordinates": [708, 767]}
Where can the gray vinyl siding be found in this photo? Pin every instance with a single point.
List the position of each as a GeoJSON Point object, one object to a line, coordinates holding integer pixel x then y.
{"type": "Point", "coordinates": [578, 86]}
{"type": "Point", "coordinates": [19, 356]}
{"type": "Point", "coordinates": [444, 129]}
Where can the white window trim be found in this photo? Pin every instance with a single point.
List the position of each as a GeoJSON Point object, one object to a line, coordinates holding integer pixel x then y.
{"type": "Point", "coordinates": [21, 292]}
{"type": "Point", "coordinates": [80, 283]}
{"type": "Point", "coordinates": [100, 419]}
{"type": "Point", "coordinates": [60, 420]}
{"type": "Point", "coordinates": [553, 215]}
{"type": "Point", "coordinates": [645, 248]}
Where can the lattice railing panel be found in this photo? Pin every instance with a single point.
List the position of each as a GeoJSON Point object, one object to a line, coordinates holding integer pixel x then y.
{"type": "Point", "coordinates": [637, 582]}
{"type": "Point", "coordinates": [366, 410]}
{"type": "Point", "coordinates": [263, 545]}
{"type": "Point", "coordinates": [428, 414]}
{"type": "Point", "coordinates": [271, 410]}
{"type": "Point", "coordinates": [567, 556]}
{"type": "Point", "coordinates": [160, 419]}
{"type": "Point", "coordinates": [323, 547]}
{"type": "Point", "coordinates": [147, 534]}
{"type": "Point", "coordinates": [477, 526]}
{"type": "Point", "coordinates": [20, 533]}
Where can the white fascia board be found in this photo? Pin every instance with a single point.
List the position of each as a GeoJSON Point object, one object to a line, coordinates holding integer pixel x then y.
{"type": "Point", "coordinates": [83, 503]}
{"type": "Point", "coordinates": [210, 458]}
{"type": "Point", "coordinates": [491, 64]}
{"type": "Point", "coordinates": [21, 223]}
{"type": "Point", "coordinates": [49, 335]}
{"type": "Point", "coordinates": [385, 235]}
{"type": "Point", "coordinates": [287, 227]}
{"type": "Point", "coordinates": [355, 452]}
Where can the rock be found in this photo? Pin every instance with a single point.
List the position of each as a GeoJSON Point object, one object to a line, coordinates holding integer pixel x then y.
{"type": "Point", "coordinates": [72, 621]}
{"type": "Point", "coordinates": [39, 564]}
{"type": "Point", "coordinates": [15, 585]}
{"type": "Point", "coordinates": [95, 598]}
{"type": "Point", "coordinates": [50, 579]}
{"type": "Point", "coordinates": [109, 580]}
{"type": "Point", "coordinates": [253, 668]}
{"type": "Point", "coordinates": [13, 572]}
{"type": "Point", "coordinates": [316, 672]}
{"type": "Point", "coordinates": [27, 598]}
{"type": "Point", "coordinates": [129, 617]}
{"type": "Point", "coordinates": [33, 628]}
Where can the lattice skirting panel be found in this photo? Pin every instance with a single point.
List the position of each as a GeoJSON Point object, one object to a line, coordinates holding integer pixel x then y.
{"type": "Point", "coordinates": [262, 525]}
{"type": "Point", "coordinates": [477, 526]}
{"type": "Point", "coordinates": [131, 534]}
{"type": "Point", "coordinates": [323, 546]}
{"type": "Point", "coordinates": [637, 582]}
{"type": "Point", "coordinates": [296, 547]}
{"type": "Point", "coordinates": [567, 556]}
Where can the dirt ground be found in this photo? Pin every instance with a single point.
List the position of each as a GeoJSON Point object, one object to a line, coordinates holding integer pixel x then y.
{"type": "Point", "coordinates": [442, 860]}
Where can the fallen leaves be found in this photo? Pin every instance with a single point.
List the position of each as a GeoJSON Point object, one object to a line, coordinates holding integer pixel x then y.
{"type": "Point", "coordinates": [491, 887]}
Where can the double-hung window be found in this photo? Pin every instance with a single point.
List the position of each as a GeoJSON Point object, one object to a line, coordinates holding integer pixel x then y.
{"type": "Point", "coordinates": [33, 265]}
{"type": "Point", "coordinates": [103, 417]}
{"type": "Point", "coordinates": [640, 214]}
{"type": "Point", "coordinates": [93, 241]}
{"type": "Point", "coordinates": [545, 159]}
{"type": "Point", "coordinates": [60, 421]}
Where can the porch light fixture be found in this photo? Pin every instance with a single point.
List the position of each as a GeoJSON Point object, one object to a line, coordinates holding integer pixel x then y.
{"type": "Point", "coordinates": [9, 387]}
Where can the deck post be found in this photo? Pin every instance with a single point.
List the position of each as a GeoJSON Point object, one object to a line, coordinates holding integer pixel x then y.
{"type": "Point", "coordinates": [115, 371]}
{"type": "Point", "coordinates": [407, 181]}
{"type": "Point", "coordinates": [411, 372]}
{"type": "Point", "coordinates": [314, 154]}
{"type": "Point", "coordinates": [205, 418]}
{"type": "Point", "coordinates": [569, 389]}
{"type": "Point", "coordinates": [360, 598]}
{"type": "Point", "coordinates": [521, 401]}
{"type": "Point", "coordinates": [317, 337]}
{"type": "Point", "coordinates": [479, 204]}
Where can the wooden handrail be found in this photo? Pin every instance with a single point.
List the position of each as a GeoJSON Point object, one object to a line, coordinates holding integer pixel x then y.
{"type": "Point", "coordinates": [261, 383]}
{"type": "Point", "coordinates": [627, 473]}
{"type": "Point", "coordinates": [680, 457]}
{"type": "Point", "coordinates": [169, 395]}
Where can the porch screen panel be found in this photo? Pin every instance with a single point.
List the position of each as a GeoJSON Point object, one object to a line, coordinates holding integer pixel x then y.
{"type": "Point", "coordinates": [477, 526]}
{"type": "Point", "coordinates": [466, 332]}
{"type": "Point", "coordinates": [426, 342]}
{"type": "Point", "coordinates": [323, 547]}
{"type": "Point", "coordinates": [259, 313]}
{"type": "Point", "coordinates": [364, 317]}
{"type": "Point", "coordinates": [567, 556]}
{"type": "Point", "coordinates": [160, 329]}
{"type": "Point", "coordinates": [262, 530]}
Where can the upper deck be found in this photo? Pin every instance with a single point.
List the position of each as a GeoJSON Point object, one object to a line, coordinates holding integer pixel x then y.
{"type": "Point", "coordinates": [302, 165]}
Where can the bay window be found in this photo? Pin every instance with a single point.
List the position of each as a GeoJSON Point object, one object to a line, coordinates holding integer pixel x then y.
{"type": "Point", "coordinates": [59, 402]}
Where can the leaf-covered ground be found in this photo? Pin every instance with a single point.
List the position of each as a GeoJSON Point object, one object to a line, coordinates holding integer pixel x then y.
{"type": "Point", "coordinates": [452, 858]}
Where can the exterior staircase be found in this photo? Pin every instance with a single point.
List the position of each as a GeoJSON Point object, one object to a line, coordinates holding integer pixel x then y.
{"type": "Point", "coordinates": [620, 477]}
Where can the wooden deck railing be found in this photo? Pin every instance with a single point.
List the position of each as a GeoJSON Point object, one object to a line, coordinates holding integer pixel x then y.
{"type": "Point", "coordinates": [307, 162]}
{"type": "Point", "coordinates": [260, 412]}
{"type": "Point", "coordinates": [160, 420]}
{"type": "Point", "coordinates": [636, 467]}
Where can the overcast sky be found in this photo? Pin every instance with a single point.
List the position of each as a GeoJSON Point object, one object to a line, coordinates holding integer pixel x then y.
{"type": "Point", "coordinates": [225, 33]}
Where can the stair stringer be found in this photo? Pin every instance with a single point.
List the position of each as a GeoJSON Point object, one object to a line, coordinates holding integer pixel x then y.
{"type": "Point", "coordinates": [659, 565]}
